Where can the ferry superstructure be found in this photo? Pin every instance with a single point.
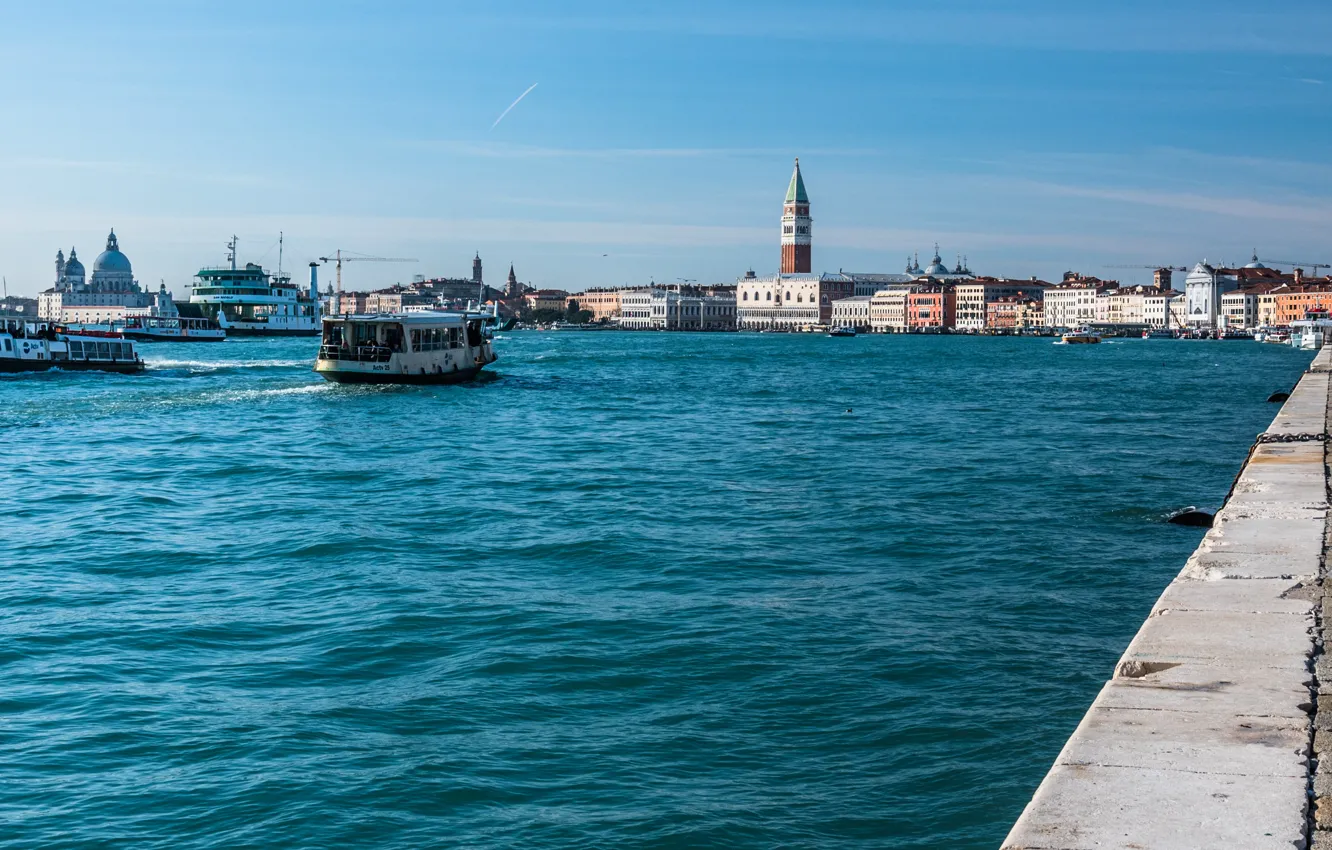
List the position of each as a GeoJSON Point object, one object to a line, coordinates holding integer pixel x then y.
{"type": "Point", "coordinates": [404, 348]}
{"type": "Point", "coordinates": [249, 301]}
{"type": "Point", "coordinates": [27, 346]}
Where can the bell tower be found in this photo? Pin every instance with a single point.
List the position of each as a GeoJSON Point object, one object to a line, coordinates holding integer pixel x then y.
{"type": "Point", "coordinates": [796, 226]}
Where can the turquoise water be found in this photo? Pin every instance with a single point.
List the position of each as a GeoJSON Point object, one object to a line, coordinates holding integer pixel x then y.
{"type": "Point", "coordinates": [637, 590]}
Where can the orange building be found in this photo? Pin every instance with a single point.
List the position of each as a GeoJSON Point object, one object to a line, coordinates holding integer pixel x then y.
{"type": "Point", "coordinates": [931, 307]}
{"type": "Point", "coordinates": [1295, 302]}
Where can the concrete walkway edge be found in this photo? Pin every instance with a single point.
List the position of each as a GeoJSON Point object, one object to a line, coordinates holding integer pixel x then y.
{"type": "Point", "coordinates": [1204, 737]}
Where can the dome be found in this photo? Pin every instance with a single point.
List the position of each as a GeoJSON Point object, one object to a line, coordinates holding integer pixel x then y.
{"type": "Point", "coordinates": [936, 268]}
{"type": "Point", "coordinates": [1254, 264]}
{"type": "Point", "coordinates": [111, 260]}
{"type": "Point", "coordinates": [73, 268]}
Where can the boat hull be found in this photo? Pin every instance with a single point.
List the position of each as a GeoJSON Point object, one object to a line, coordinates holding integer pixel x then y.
{"type": "Point", "coordinates": [13, 366]}
{"type": "Point", "coordinates": [341, 376]}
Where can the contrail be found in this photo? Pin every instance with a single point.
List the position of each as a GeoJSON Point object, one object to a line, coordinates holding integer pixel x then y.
{"type": "Point", "coordinates": [512, 105]}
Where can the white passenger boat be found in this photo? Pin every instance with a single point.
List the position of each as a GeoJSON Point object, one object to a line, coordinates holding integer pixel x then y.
{"type": "Point", "coordinates": [250, 301]}
{"type": "Point", "coordinates": [404, 348]}
{"type": "Point", "coordinates": [27, 346]}
{"type": "Point", "coordinates": [172, 329]}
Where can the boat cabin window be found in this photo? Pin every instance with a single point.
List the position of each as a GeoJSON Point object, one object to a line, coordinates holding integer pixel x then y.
{"type": "Point", "coordinates": [474, 333]}
{"type": "Point", "coordinates": [9, 346]}
{"type": "Point", "coordinates": [393, 338]}
{"type": "Point", "coordinates": [332, 334]}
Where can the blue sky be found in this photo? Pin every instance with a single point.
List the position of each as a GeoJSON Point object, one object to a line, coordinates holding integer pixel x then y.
{"type": "Point", "coordinates": [1032, 136]}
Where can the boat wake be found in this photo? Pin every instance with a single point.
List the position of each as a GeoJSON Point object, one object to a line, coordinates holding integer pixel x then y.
{"type": "Point", "coordinates": [256, 395]}
{"type": "Point", "coordinates": [214, 365]}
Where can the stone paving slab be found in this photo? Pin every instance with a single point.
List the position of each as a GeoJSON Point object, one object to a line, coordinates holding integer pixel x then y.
{"type": "Point", "coordinates": [1177, 740]}
{"type": "Point", "coordinates": [1225, 640]}
{"type": "Point", "coordinates": [1202, 690]}
{"type": "Point", "coordinates": [1107, 808]}
{"type": "Point", "coordinates": [1256, 596]}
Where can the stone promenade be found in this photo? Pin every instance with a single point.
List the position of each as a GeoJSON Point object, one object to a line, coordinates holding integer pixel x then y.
{"type": "Point", "coordinates": [1210, 732]}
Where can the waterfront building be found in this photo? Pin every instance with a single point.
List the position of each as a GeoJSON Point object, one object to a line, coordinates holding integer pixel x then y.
{"type": "Point", "coordinates": [678, 308]}
{"type": "Point", "coordinates": [105, 297]}
{"type": "Point", "coordinates": [1126, 305]}
{"type": "Point", "coordinates": [788, 301]}
{"type": "Point", "coordinates": [1013, 312]}
{"type": "Point", "coordinates": [352, 303]}
{"type": "Point", "coordinates": [931, 308]}
{"type": "Point", "coordinates": [1029, 315]}
{"type": "Point", "coordinates": [974, 295]}
{"type": "Point", "coordinates": [888, 311]}
{"type": "Point", "coordinates": [853, 312]}
{"type": "Point", "coordinates": [1203, 289]}
{"type": "Point", "coordinates": [797, 227]}
{"type": "Point", "coordinates": [1206, 286]}
{"type": "Point", "coordinates": [1240, 307]}
{"type": "Point", "coordinates": [397, 299]}
{"type": "Point", "coordinates": [603, 304]}
{"type": "Point", "coordinates": [1072, 302]}
{"type": "Point", "coordinates": [1162, 308]}
{"type": "Point", "coordinates": [1294, 302]}
{"type": "Point", "coordinates": [547, 299]}
{"type": "Point", "coordinates": [636, 308]}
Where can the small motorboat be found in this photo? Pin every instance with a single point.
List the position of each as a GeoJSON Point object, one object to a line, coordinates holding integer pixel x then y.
{"type": "Point", "coordinates": [842, 331]}
{"type": "Point", "coordinates": [1158, 333]}
{"type": "Point", "coordinates": [1082, 336]}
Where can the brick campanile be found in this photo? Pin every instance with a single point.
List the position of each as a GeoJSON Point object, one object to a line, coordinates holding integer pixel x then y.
{"type": "Point", "coordinates": [796, 226]}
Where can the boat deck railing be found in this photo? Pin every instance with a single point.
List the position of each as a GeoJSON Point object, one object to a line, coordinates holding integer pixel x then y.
{"type": "Point", "coordinates": [358, 354]}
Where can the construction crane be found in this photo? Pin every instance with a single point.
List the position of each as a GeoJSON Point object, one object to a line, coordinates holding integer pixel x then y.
{"type": "Point", "coordinates": [1294, 264]}
{"type": "Point", "coordinates": [339, 259]}
{"type": "Point", "coordinates": [1153, 268]}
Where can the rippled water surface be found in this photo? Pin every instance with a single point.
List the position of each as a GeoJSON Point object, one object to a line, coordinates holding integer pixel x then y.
{"type": "Point", "coordinates": [635, 590]}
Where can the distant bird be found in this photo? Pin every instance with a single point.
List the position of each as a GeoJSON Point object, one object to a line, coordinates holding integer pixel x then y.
{"type": "Point", "coordinates": [512, 105]}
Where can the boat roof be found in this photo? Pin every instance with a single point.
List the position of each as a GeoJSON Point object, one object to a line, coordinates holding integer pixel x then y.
{"type": "Point", "coordinates": [414, 318]}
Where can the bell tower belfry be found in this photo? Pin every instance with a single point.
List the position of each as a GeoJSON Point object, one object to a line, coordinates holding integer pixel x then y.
{"type": "Point", "coordinates": [797, 227]}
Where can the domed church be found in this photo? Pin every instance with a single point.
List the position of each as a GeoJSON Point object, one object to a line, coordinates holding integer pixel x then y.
{"type": "Point", "coordinates": [105, 297]}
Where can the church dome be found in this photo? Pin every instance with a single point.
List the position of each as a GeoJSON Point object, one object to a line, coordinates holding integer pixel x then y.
{"type": "Point", "coordinates": [1254, 264]}
{"type": "Point", "coordinates": [111, 260]}
{"type": "Point", "coordinates": [936, 268]}
{"type": "Point", "coordinates": [73, 268]}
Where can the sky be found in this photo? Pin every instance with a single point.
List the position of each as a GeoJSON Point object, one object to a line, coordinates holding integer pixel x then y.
{"type": "Point", "coordinates": [1034, 137]}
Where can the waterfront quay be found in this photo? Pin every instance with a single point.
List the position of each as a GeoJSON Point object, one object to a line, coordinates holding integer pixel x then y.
{"type": "Point", "coordinates": [1215, 728]}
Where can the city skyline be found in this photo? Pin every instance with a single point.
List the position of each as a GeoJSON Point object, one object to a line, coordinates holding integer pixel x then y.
{"type": "Point", "coordinates": [1029, 138]}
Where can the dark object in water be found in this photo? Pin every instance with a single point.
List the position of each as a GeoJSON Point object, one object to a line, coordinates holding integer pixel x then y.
{"type": "Point", "coordinates": [1278, 396]}
{"type": "Point", "coordinates": [1191, 516]}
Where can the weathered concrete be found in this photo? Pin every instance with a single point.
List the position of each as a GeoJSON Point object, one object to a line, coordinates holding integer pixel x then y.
{"type": "Point", "coordinates": [1205, 737]}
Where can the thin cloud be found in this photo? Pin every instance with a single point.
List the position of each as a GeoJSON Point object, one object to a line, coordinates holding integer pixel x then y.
{"type": "Point", "coordinates": [512, 105]}
{"type": "Point", "coordinates": [501, 150]}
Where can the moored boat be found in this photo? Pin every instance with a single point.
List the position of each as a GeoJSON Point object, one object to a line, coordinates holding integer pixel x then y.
{"type": "Point", "coordinates": [842, 331]}
{"type": "Point", "coordinates": [172, 329]}
{"type": "Point", "coordinates": [27, 346]}
{"type": "Point", "coordinates": [404, 348]}
{"type": "Point", "coordinates": [1158, 333]}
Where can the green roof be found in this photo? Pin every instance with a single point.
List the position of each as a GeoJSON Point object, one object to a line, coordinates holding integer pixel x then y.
{"type": "Point", "coordinates": [796, 191]}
